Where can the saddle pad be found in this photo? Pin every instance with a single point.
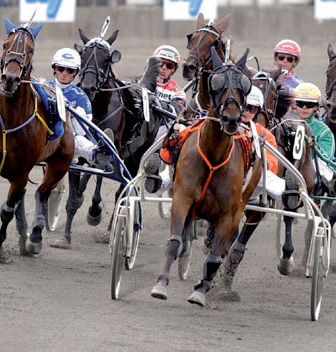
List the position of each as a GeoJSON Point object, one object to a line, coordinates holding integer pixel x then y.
{"type": "Point", "coordinates": [49, 101]}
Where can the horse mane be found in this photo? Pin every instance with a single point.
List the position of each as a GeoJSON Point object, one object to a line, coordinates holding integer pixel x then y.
{"type": "Point", "coordinates": [152, 70]}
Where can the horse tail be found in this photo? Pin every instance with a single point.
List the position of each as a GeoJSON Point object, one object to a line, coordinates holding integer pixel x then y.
{"type": "Point", "coordinates": [149, 77]}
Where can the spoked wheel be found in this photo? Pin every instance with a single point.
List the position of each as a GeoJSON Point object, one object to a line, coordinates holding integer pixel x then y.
{"type": "Point", "coordinates": [185, 258]}
{"type": "Point", "coordinates": [319, 270]}
{"type": "Point", "coordinates": [118, 253]}
{"type": "Point", "coordinates": [54, 206]}
{"type": "Point", "coordinates": [130, 260]}
{"type": "Point", "coordinates": [164, 207]}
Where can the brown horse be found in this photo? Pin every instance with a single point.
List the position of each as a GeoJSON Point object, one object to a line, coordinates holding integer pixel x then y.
{"type": "Point", "coordinates": [199, 59]}
{"type": "Point", "coordinates": [24, 141]}
{"type": "Point", "coordinates": [210, 172]}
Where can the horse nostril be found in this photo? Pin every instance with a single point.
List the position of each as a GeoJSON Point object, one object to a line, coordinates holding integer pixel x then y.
{"type": "Point", "coordinates": [17, 80]}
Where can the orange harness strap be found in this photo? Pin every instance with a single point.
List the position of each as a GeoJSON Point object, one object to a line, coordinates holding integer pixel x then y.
{"type": "Point", "coordinates": [211, 168]}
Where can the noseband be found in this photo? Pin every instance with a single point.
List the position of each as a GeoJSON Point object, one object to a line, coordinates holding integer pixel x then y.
{"type": "Point", "coordinates": [13, 53]}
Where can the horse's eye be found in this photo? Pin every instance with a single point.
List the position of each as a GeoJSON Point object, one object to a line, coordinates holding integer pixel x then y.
{"type": "Point", "coordinates": [217, 82]}
{"type": "Point", "coordinates": [246, 84]}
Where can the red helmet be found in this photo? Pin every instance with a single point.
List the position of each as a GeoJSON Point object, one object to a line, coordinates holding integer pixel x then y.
{"type": "Point", "coordinates": [288, 46]}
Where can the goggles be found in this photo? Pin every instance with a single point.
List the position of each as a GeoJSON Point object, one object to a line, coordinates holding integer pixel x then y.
{"type": "Point", "coordinates": [307, 104]}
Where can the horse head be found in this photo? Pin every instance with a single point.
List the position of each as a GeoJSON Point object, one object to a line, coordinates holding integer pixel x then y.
{"type": "Point", "coordinates": [205, 37]}
{"type": "Point", "coordinates": [330, 104]}
{"type": "Point", "coordinates": [228, 86]}
{"type": "Point", "coordinates": [96, 62]}
{"type": "Point", "coordinates": [16, 60]}
{"type": "Point", "coordinates": [265, 81]}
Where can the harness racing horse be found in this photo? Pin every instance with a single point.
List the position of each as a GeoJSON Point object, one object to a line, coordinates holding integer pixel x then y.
{"type": "Point", "coordinates": [114, 107]}
{"type": "Point", "coordinates": [273, 116]}
{"type": "Point", "coordinates": [330, 120]}
{"type": "Point", "coordinates": [24, 138]}
{"type": "Point", "coordinates": [210, 172]}
{"type": "Point", "coordinates": [199, 58]}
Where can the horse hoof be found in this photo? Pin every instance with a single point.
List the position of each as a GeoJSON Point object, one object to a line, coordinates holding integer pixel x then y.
{"type": "Point", "coordinates": [159, 291]}
{"type": "Point", "coordinates": [197, 298]}
{"type": "Point", "coordinates": [286, 265]}
{"type": "Point", "coordinates": [93, 220]}
{"type": "Point", "coordinates": [32, 247]}
{"type": "Point", "coordinates": [62, 243]}
{"type": "Point", "coordinates": [22, 245]}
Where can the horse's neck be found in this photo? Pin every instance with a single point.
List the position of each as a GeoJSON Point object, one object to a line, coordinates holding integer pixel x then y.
{"type": "Point", "coordinates": [203, 94]}
{"type": "Point", "coordinates": [214, 143]}
{"type": "Point", "coordinates": [103, 99]}
{"type": "Point", "coordinates": [19, 107]}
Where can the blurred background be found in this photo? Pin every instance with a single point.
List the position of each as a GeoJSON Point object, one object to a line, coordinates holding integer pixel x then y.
{"type": "Point", "coordinates": [145, 24]}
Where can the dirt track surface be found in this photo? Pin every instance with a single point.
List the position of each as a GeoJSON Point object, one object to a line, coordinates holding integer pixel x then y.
{"type": "Point", "coordinates": [59, 300]}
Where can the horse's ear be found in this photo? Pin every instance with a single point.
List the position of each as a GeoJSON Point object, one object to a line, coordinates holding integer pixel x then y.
{"type": "Point", "coordinates": [84, 38]}
{"type": "Point", "coordinates": [331, 52]}
{"type": "Point", "coordinates": [200, 23]}
{"type": "Point", "coordinates": [222, 25]}
{"type": "Point", "coordinates": [113, 37]}
{"type": "Point", "coordinates": [115, 56]}
{"type": "Point", "coordinates": [216, 60]}
{"type": "Point", "coordinates": [78, 48]}
{"type": "Point", "coordinates": [9, 25]}
{"type": "Point", "coordinates": [35, 30]}
{"type": "Point", "coordinates": [242, 61]}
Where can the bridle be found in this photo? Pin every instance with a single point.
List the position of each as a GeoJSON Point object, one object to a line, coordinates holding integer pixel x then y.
{"type": "Point", "coordinates": [24, 57]}
{"type": "Point", "coordinates": [101, 74]}
{"type": "Point", "coordinates": [269, 83]}
{"type": "Point", "coordinates": [228, 77]}
{"type": "Point", "coordinates": [194, 53]}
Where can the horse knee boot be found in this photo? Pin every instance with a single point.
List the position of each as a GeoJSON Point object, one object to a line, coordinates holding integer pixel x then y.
{"type": "Point", "coordinates": [232, 262]}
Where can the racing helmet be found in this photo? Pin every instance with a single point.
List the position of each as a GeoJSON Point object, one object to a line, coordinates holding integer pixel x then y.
{"type": "Point", "coordinates": [288, 46]}
{"type": "Point", "coordinates": [307, 92]}
{"type": "Point", "coordinates": [168, 52]}
{"type": "Point", "coordinates": [255, 97]}
{"type": "Point", "coordinates": [67, 57]}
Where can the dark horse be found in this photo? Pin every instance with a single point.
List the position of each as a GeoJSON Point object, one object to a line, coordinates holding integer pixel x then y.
{"type": "Point", "coordinates": [330, 118]}
{"type": "Point", "coordinates": [24, 138]}
{"type": "Point", "coordinates": [210, 172]}
{"type": "Point", "coordinates": [116, 106]}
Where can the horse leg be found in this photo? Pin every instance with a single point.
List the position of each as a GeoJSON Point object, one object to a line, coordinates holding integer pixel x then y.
{"type": "Point", "coordinates": [34, 242]}
{"type": "Point", "coordinates": [84, 179]}
{"type": "Point", "coordinates": [173, 249]}
{"type": "Point", "coordinates": [21, 223]}
{"type": "Point", "coordinates": [237, 250]}
{"type": "Point", "coordinates": [286, 262]}
{"type": "Point", "coordinates": [95, 211]}
{"type": "Point", "coordinates": [15, 194]}
{"type": "Point", "coordinates": [212, 262]}
{"type": "Point", "coordinates": [71, 208]}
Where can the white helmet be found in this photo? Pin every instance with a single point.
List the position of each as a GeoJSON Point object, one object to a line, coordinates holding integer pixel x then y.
{"type": "Point", "coordinates": [168, 52]}
{"type": "Point", "coordinates": [67, 57]}
{"type": "Point", "coordinates": [255, 97]}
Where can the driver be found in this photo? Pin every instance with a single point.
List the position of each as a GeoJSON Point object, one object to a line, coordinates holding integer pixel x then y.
{"type": "Point", "coordinates": [66, 64]}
